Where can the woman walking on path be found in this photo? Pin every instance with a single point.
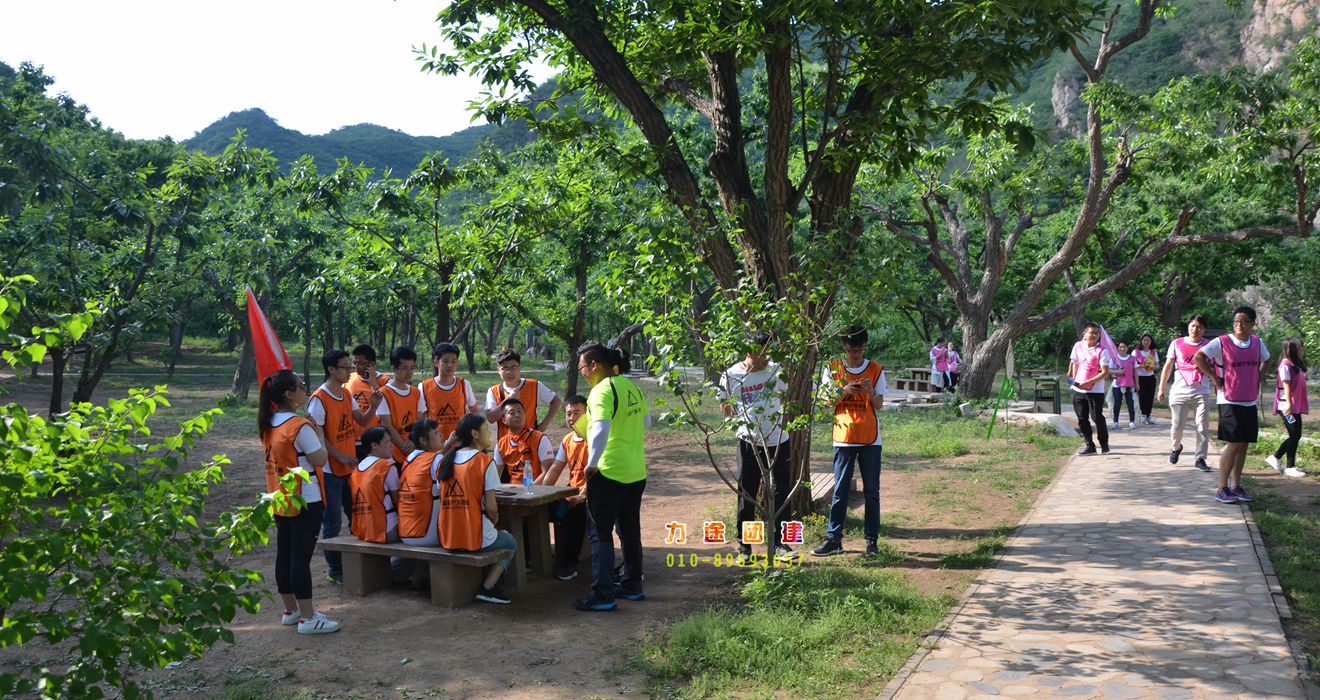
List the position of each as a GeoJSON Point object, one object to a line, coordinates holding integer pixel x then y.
{"type": "Point", "coordinates": [1148, 358]}
{"type": "Point", "coordinates": [616, 474]}
{"type": "Point", "coordinates": [1125, 379]}
{"type": "Point", "coordinates": [1291, 403]}
{"type": "Point", "coordinates": [1190, 392]}
{"type": "Point", "coordinates": [292, 441]}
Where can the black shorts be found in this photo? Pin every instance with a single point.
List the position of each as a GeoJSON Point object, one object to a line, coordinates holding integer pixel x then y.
{"type": "Point", "coordinates": [1238, 423]}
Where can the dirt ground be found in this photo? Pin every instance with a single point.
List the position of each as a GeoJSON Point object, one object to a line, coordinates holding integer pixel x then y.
{"type": "Point", "coordinates": [395, 644]}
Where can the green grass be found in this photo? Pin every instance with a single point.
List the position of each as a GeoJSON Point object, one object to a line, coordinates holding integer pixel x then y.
{"type": "Point", "coordinates": [1290, 526]}
{"type": "Point", "coordinates": [820, 631]}
{"type": "Point", "coordinates": [982, 555]}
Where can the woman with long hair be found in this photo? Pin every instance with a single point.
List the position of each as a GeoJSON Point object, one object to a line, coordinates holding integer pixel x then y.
{"type": "Point", "coordinates": [1148, 358]}
{"type": "Point", "coordinates": [292, 441]}
{"type": "Point", "coordinates": [467, 509]}
{"type": "Point", "coordinates": [1291, 403]}
{"type": "Point", "coordinates": [616, 474]}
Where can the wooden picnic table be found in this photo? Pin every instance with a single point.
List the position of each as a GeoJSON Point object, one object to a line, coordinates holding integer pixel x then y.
{"type": "Point", "coordinates": [920, 373]}
{"type": "Point", "coordinates": [518, 507]}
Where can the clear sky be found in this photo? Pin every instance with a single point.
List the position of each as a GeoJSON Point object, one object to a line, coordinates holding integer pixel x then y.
{"type": "Point", "coordinates": [150, 68]}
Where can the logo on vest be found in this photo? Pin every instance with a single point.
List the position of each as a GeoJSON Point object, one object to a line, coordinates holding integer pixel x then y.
{"type": "Point", "coordinates": [453, 496]}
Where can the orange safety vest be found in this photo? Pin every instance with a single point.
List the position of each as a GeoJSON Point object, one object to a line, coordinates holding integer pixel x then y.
{"type": "Point", "coordinates": [282, 457]}
{"type": "Point", "coordinates": [854, 415]}
{"type": "Point", "coordinates": [445, 406]}
{"type": "Point", "coordinates": [516, 449]}
{"type": "Point", "coordinates": [459, 521]}
{"type": "Point", "coordinates": [403, 413]}
{"type": "Point", "coordinates": [361, 390]}
{"type": "Point", "coordinates": [369, 521]}
{"type": "Point", "coordinates": [341, 431]}
{"type": "Point", "coordinates": [575, 454]}
{"type": "Point", "coordinates": [415, 500]}
{"type": "Point", "coordinates": [527, 393]}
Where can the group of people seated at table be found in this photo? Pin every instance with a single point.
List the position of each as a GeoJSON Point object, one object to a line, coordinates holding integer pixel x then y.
{"type": "Point", "coordinates": [420, 464]}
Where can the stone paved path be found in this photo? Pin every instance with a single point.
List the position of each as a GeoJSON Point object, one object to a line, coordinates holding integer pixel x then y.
{"type": "Point", "coordinates": [1127, 581]}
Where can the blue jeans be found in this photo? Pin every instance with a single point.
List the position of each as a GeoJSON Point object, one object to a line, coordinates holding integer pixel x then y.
{"type": "Point", "coordinates": [338, 503]}
{"type": "Point", "coordinates": [503, 540]}
{"type": "Point", "coordinates": [844, 459]}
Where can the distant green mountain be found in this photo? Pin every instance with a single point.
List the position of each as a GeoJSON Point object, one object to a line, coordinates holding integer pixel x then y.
{"type": "Point", "coordinates": [376, 146]}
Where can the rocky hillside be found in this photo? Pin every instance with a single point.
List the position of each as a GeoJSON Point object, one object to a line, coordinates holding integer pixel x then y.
{"type": "Point", "coordinates": [1203, 35]}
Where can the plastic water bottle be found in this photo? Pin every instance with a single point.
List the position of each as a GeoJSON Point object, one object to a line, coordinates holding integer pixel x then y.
{"type": "Point", "coordinates": [527, 477]}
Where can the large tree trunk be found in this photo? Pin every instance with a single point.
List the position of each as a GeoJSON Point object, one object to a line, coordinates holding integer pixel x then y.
{"type": "Point", "coordinates": [802, 382]}
{"type": "Point", "coordinates": [176, 345]}
{"type": "Point", "coordinates": [469, 348]}
{"type": "Point", "coordinates": [245, 372]}
{"type": "Point", "coordinates": [58, 361]}
{"type": "Point", "coordinates": [982, 358]}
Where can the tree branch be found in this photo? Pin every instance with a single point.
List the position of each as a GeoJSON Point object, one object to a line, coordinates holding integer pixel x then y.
{"type": "Point", "coordinates": [1138, 265]}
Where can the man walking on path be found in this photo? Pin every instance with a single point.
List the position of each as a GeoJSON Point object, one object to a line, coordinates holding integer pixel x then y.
{"type": "Point", "coordinates": [1242, 356]}
{"type": "Point", "coordinates": [1088, 368]}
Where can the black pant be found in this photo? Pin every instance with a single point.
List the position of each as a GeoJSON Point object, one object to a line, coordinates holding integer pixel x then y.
{"type": "Point", "coordinates": [751, 459]}
{"type": "Point", "coordinates": [1091, 408]}
{"type": "Point", "coordinates": [611, 503]}
{"type": "Point", "coordinates": [570, 529]}
{"type": "Point", "coordinates": [1146, 394]}
{"type": "Point", "coordinates": [1119, 393]}
{"type": "Point", "coordinates": [295, 542]}
{"type": "Point", "coordinates": [1293, 422]}
{"type": "Point", "coordinates": [953, 380]}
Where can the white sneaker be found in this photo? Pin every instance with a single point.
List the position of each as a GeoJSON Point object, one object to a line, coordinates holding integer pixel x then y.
{"type": "Point", "coordinates": [317, 624]}
{"type": "Point", "coordinates": [1132, 425]}
{"type": "Point", "coordinates": [289, 618]}
{"type": "Point", "coordinates": [1113, 426]}
{"type": "Point", "coordinates": [1294, 472]}
{"type": "Point", "coordinates": [1274, 463]}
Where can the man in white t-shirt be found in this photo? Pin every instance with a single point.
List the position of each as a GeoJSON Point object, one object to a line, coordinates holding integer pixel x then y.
{"type": "Point", "coordinates": [751, 395]}
{"type": "Point", "coordinates": [1241, 356]}
{"type": "Point", "coordinates": [530, 392]}
{"type": "Point", "coordinates": [1088, 368]}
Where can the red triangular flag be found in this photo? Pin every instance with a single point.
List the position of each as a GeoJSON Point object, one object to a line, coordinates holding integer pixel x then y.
{"type": "Point", "coordinates": [266, 346]}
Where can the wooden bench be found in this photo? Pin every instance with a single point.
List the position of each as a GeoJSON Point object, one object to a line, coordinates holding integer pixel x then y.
{"type": "Point", "coordinates": [455, 576]}
{"type": "Point", "coordinates": [903, 384]}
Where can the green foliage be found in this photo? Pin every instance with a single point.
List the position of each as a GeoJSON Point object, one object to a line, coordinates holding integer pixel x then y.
{"type": "Point", "coordinates": [105, 548]}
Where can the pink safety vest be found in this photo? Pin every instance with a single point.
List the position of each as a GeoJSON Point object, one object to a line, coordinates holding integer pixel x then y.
{"type": "Point", "coordinates": [1300, 404]}
{"type": "Point", "coordinates": [1090, 364]}
{"type": "Point", "coordinates": [1183, 352]}
{"type": "Point", "coordinates": [954, 359]}
{"type": "Point", "coordinates": [941, 357]}
{"type": "Point", "coordinates": [1241, 369]}
{"type": "Point", "coordinates": [1129, 376]}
